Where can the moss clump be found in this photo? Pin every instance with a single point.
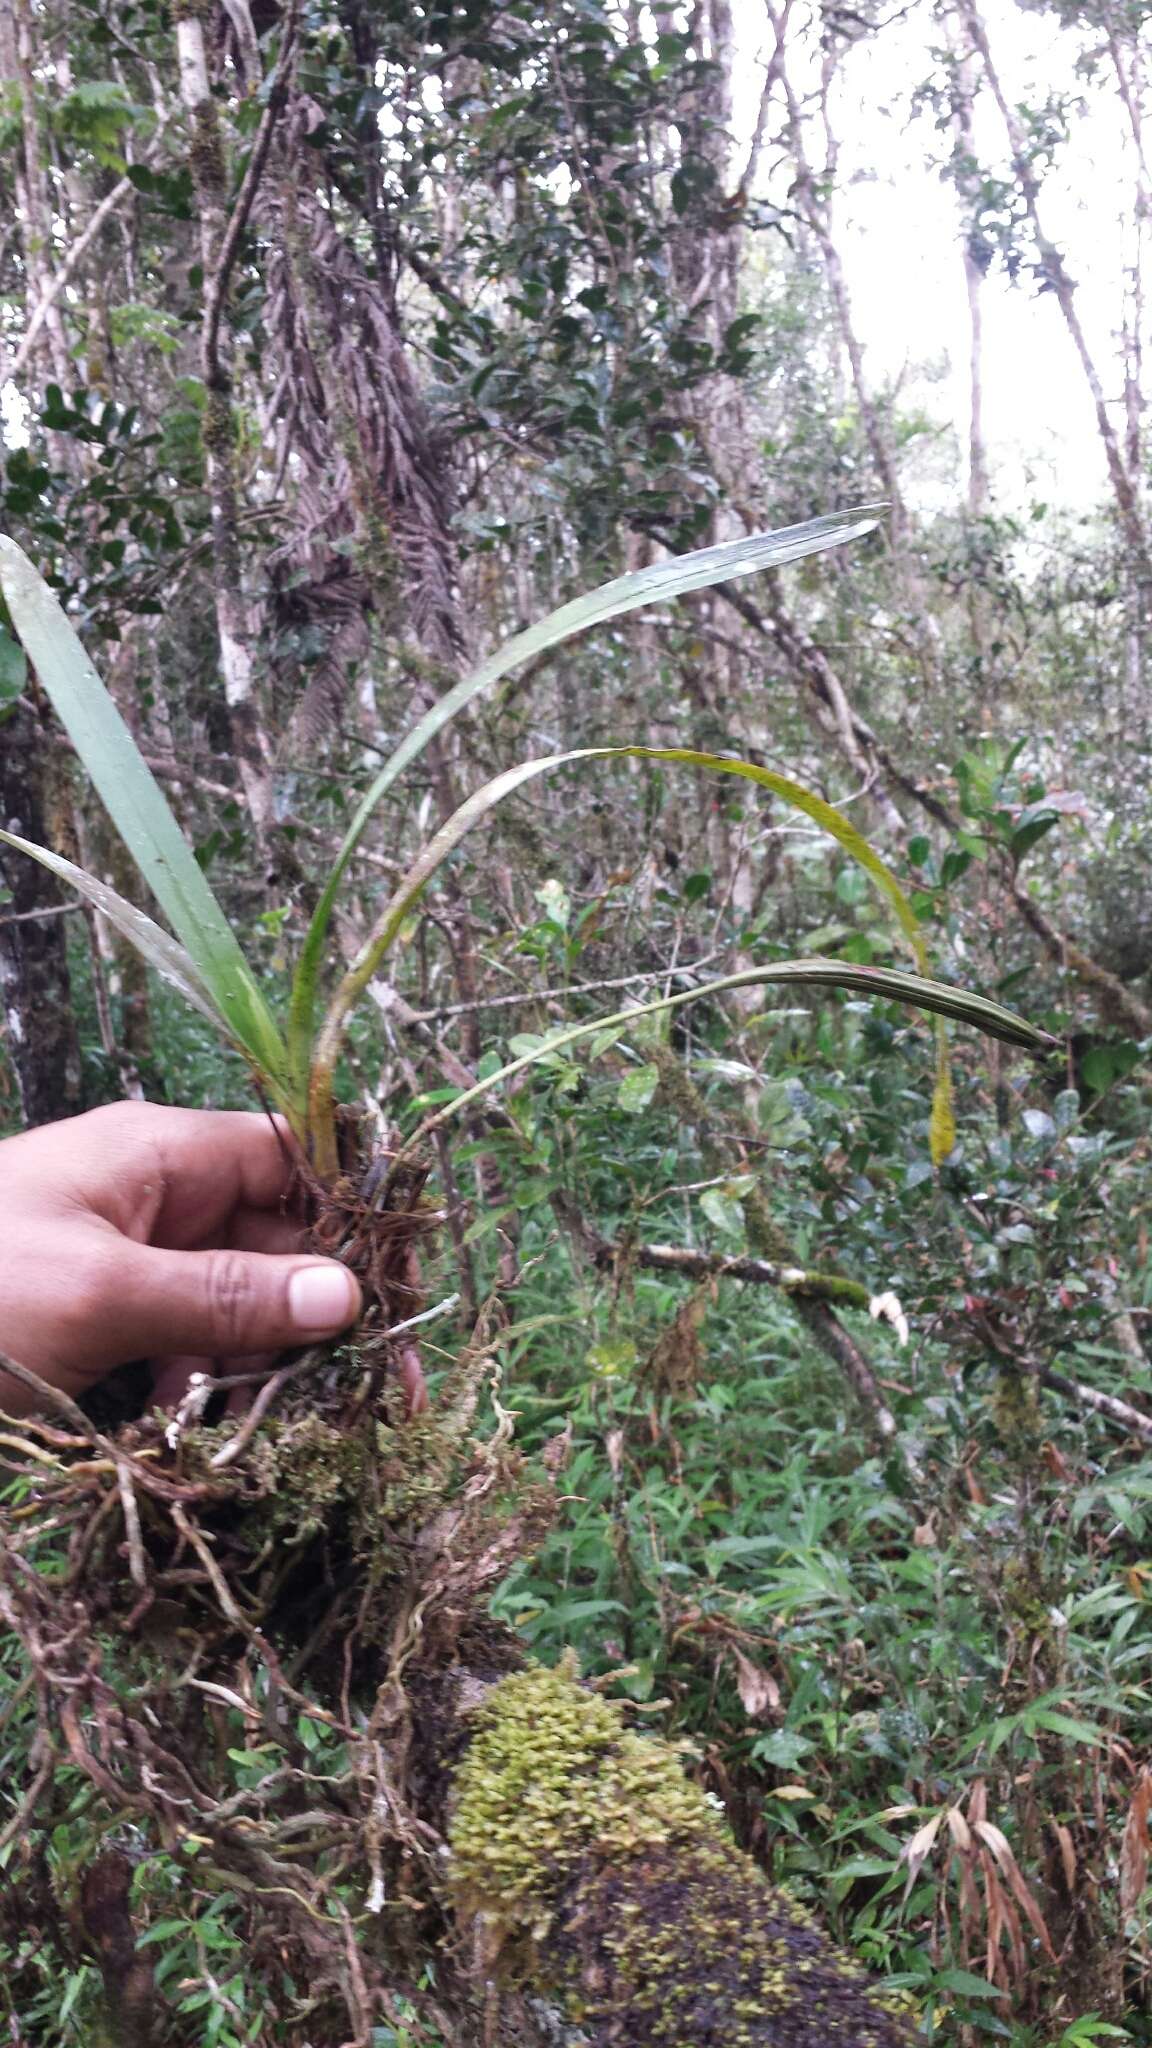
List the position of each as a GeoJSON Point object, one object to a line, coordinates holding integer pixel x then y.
{"type": "Point", "coordinates": [598, 1874]}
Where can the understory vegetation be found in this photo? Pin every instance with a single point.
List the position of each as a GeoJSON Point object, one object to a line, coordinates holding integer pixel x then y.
{"type": "Point", "coordinates": [750, 1644]}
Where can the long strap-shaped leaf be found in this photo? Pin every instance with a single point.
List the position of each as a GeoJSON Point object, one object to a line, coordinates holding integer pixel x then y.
{"type": "Point", "coordinates": [700, 570]}
{"type": "Point", "coordinates": [936, 996]}
{"type": "Point", "coordinates": [139, 810]}
{"type": "Point", "coordinates": [483, 801]}
{"type": "Point", "coordinates": [157, 946]}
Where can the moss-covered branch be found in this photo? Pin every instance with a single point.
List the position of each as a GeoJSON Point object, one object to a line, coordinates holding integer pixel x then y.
{"type": "Point", "coordinates": [800, 1280]}
{"type": "Point", "coordinates": [595, 1874]}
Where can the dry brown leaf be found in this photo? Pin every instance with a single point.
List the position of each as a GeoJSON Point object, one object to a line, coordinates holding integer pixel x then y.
{"type": "Point", "coordinates": [998, 1843]}
{"type": "Point", "coordinates": [958, 1828]}
{"type": "Point", "coordinates": [1067, 1854]}
{"type": "Point", "coordinates": [556, 1451]}
{"type": "Point", "coordinates": [920, 1847]}
{"type": "Point", "coordinates": [759, 1692]}
{"type": "Point", "coordinates": [675, 1359]}
{"type": "Point", "coordinates": [994, 1902]}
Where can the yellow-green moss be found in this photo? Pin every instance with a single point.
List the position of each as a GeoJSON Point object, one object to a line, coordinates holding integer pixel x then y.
{"type": "Point", "coordinates": [598, 1874]}
{"type": "Point", "coordinates": [551, 1772]}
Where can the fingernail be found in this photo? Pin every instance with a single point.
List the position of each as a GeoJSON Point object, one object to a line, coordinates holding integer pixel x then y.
{"type": "Point", "coordinates": [321, 1297]}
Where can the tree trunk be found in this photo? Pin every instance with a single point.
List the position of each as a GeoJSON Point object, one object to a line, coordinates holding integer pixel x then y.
{"type": "Point", "coordinates": [236, 620]}
{"type": "Point", "coordinates": [32, 196]}
{"type": "Point", "coordinates": [39, 1025]}
{"type": "Point", "coordinates": [1125, 486]}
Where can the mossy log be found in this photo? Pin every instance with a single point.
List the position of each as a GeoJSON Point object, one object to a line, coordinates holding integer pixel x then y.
{"type": "Point", "coordinates": [594, 1873]}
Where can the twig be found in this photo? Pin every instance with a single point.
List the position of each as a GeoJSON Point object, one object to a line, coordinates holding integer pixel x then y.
{"type": "Point", "coordinates": [217, 284]}
{"type": "Point", "coordinates": [55, 1397]}
{"type": "Point", "coordinates": [251, 1423]}
{"type": "Point", "coordinates": [49, 910]}
{"type": "Point", "coordinates": [13, 1829]}
{"type": "Point", "coordinates": [798, 1280]}
{"type": "Point", "coordinates": [131, 1507]}
{"type": "Point", "coordinates": [1105, 1404]}
{"type": "Point", "coordinates": [546, 995]}
{"type": "Point", "coordinates": [428, 1315]}
{"type": "Point", "coordinates": [219, 1583]}
{"type": "Point", "coordinates": [56, 284]}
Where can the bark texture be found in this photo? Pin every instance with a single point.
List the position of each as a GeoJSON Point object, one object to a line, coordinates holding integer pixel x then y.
{"type": "Point", "coordinates": [39, 1025]}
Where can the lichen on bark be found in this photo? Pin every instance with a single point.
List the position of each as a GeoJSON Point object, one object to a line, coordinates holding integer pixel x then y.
{"type": "Point", "coordinates": [594, 1872]}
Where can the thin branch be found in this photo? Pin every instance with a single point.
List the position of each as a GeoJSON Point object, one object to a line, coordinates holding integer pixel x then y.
{"type": "Point", "coordinates": [48, 297]}
{"type": "Point", "coordinates": [547, 995]}
{"type": "Point", "coordinates": [1129, 1418]}
{"type": "Point", "coordinates": [54, 1397]}
{"type": "Point", "coordinates": [217, 285]}
{"type": "Point", "coordinates": [796, 1280]}
{"type": "Point", "coordinates": [49, 910]}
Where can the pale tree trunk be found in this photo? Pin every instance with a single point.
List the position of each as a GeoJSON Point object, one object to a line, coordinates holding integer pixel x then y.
{"type": "Point", "coordinates": [814, 190]}
{"type": "Point", "coordinates": [974, 272]}
{"type": "Point", "coordinates": [236, 616]}
{"type": "Point", "coordinates": [1130, 84]}
{"type": "Point", "coordinates": [812, 194]}
{"type": "Point", "coordinates": [706, 266]}
{"type": "Point", "coordinates": [17, 59]}
{"type": "Point", "coordinates": [1125, 483]}
{"type": "Point", "coordinates": [975, 259]}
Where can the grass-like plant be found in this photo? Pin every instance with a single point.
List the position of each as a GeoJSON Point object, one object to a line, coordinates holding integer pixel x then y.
{"type": "Point", "coordinates": [293, 1054]}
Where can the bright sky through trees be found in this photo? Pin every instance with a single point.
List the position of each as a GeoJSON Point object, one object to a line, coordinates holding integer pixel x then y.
{"type": "Point", "coordinates": [897, 225]}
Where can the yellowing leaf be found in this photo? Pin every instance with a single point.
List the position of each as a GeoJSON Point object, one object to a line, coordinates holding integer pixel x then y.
{"type": "Point", "coordinates": [942, 1125]}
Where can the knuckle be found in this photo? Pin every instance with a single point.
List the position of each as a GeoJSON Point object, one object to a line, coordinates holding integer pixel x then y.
{"type": "Point", "coordinates": [233, 1299]}
{"type": "Point", "coordinates": [113, 1117]}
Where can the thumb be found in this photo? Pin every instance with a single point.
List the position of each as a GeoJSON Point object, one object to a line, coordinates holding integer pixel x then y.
{"type": "Point", "coordinates": [220, 1304]}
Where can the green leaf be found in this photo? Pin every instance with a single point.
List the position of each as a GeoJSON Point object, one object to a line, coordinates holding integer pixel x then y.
{"type": "Point", "coordinates": [968, 1985]}
{"type": "Point", "coordinates": [701, 570]}
{"type": "Point", "coordinates": [783, 1749]}
{"type": "Point", "coordinates": [13, 667]}
{"type": "Point", "coordinates": [936, 996]}
{"type": "Point", "coordinates": [140, 812]}
{"type": "Point", "coordinates": [723, 1211]}
{"type": "Point", "coordinates": [1107, 1063]}
{"type": "Point", "coordinates": [1063, 1724]}
{"type": "Point", "coordinates": [637, 1089]}
{"type": "Point", "coordinates": [483, 801]}
{"type": "Point", "coordinates": [1090, 2028]}
{"type": "Point", "coordinates": [158, 948]}
{"type": "Point", "coordinates": [165, 1930]}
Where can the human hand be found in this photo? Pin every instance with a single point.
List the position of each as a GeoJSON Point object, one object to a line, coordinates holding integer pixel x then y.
{"type": "Point", "coordinates": [137, 1231]}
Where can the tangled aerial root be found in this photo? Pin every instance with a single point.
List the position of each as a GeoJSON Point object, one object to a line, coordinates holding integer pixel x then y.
{"type": "Point", "coordinates": [257, 1661]}
{"type": "Point", "coordinates": [178, 1606]}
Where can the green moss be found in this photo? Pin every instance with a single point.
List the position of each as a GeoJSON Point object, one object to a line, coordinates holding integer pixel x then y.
{"type": "Point", "coordinates": [552, 1772]}
{"type": "Point", "coordinates": [830, 1287]}
{"type": "Point", "coordinates": [206, 152]}
{"type": "Point", "coordinates": [596, 1872]}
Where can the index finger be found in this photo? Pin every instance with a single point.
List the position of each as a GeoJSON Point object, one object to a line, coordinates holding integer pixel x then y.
{"type": "Point", "coordinates": [215, 1162]}
{"type": "Point", "coordinates": [174, 1176]}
